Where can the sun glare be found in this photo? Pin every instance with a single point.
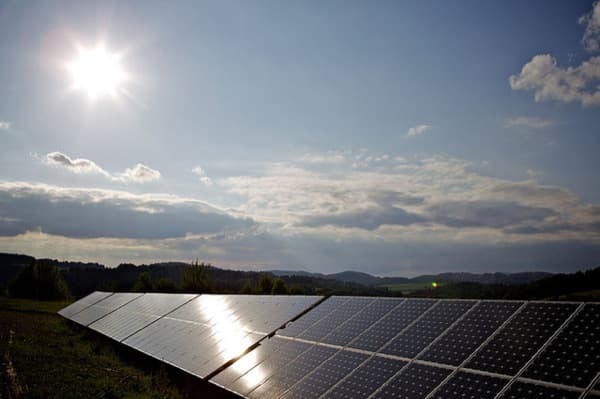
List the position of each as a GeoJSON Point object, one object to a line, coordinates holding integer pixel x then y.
{"type": "Point", "coordinates": [97, 72]}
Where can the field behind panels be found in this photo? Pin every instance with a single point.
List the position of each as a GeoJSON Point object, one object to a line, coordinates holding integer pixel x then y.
{"type": "Point", "coordinates": [360, 347]}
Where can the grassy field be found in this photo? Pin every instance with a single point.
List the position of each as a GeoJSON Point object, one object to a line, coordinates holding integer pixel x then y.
{"type": "Point", "coordinates": [407, 288]}
{"type": "Point", "coordinates": [45, 356]}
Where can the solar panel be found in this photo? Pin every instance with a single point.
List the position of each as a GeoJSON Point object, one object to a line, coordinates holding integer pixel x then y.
{"type": "Point", "coordinates": [138, 314]}
{"type": "Point", "coordinates": [345, 332]}
{"type": "Point", "coordinates": [415, 338]}
{"type": "Point", "coordinates": [104, 307]}
{"type": "Point", "coordinates": [521, 338]}
{"type": "Point", "coordinates": [83, 303]}
{"type": "Point", "coordinates": [462, 339]}
{"type": "Point", "coordinates": [359, 347]}
{"type": "Point", "coordinates": [210, 330]}
{"type": "Point", "coordinates": [366, 379]}
{"type": "Point", "coordinates": [326, 375]}
{"type": "Point", "coordinates": [573, 358]}
{"type": "Point", "coordinates": [465, 385]}
{"type": "Point", "coordinates": [523, 390]}
{"type": "Point", "coordinates": [288, 374]}
{"type": "Point", "coordinates": [342, 313]}
{"type": "Point", "coordinates": [391, 324]}
{"type": "Point", "coordinates": [413, 382]}
{"type": "Point", "coordinates": [326, 307]}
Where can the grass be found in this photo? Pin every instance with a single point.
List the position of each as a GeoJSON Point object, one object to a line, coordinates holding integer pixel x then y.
{"type": "Point", "coordinates": [407, 288]}
{"type": "Point", "coordinates": [45, 356]}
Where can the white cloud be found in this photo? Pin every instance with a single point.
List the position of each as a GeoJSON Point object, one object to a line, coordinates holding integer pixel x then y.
{"type": "Point", "coordinates": [529, 122]}
{"type": "Point", "coordinates": [202, 176]}
{"type": "Point", "coordinates": [136, 174]}
{"type": "Point", "coordinates": [417, 130]}
{"type": "Point", "coordinates": [77, 165]}
{"type": "Point", "coordinates": [578, 84]}
{"type": "Point", "coordinates": [4, 125]}
{"type": "Point", "coordinates": [591, 36]}
{"type": "Point", "coordinates": [551, 82]}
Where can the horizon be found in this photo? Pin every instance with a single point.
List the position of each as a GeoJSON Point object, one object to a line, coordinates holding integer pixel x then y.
{"type": "Point", "coordinates": [389, 139]}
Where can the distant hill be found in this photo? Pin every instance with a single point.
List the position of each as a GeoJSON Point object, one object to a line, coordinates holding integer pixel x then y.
{"type": "Point", "coordinates": [370, 280]}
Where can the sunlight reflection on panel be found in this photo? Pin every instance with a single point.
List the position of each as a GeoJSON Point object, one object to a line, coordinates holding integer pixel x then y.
{"type": "Point", "coordinates": [233, 339]}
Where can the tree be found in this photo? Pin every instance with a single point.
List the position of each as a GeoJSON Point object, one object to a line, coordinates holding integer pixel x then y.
{"type": "Point", "coordinates": [296, 289]}
{"type": "Point", "coordinates": [40, 280]}
{"type": "Point", "coordinates": [279, 287]}
{"type": "Point", "coordinates": [247, 289]}
{"type": "Point", "coordinates": [143, 283]}
{"type": "Point", "coordinates": [195, 278]}
{"type": "Point", "coordinates": [265, 284]}
{"type": "Point", "coordinates": [165, 285]}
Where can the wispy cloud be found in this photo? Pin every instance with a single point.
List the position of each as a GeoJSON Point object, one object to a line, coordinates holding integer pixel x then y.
{"type": "Point", "coordinates": [591, 20]}
{"type": "Point", "coordinates": [137, 174]}
{"type": "Point", "coordinates": [4, 125]}
{"type": "Point", "coordinates": [417, 130]}
{"type": "Point", "coordinates": [202, 176]}
{"type": "Point", "coordinates": [529, 122]}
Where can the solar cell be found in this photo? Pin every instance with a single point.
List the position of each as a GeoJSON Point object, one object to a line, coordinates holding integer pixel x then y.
{"type": "Point", "coordinates": [522, 390]}
{"type": "Point", "coordinates": [288, 374]}
{"type": "Point", "coordinates": [283, 353]}
{"type": "Point", "coordinates": [415, 381]}
{"type": "Point", "coordinates": [414, 339]}
{"type": "Point", "coordinates": [341, 314]}
{"type": "Point", "coordinates": [391, 324]}
{"type": "Point", "coordinates": [365, 380]}
{"type": "Point", "coordinates": [465, 385]}
{"type": "Point", "coordinates": [104, 307]}
{"type": "Point", "coordinates": [461, 340]}
{"type": "Point", "coordinates": [573, 357]}
{"type": "Point", "coordinates": [326, 375]}
{"type": "Point", "coordinates": [137, 314]}
{"type": "Point", "coordinates": [521, 338]}
{"type": "Point", "coordinates": [83, 303]}
{"type": "Point", "coordinates": [296, 327]}
{"type": "Point", "coordinates": [357, 324]}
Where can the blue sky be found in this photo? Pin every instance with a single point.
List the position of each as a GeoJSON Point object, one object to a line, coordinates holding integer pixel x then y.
{"type": "Point", "coordinates": [395, 138]}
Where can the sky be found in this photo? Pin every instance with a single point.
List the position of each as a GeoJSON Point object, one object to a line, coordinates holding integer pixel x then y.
{"type": "Point", "coordinates": [395, 138]}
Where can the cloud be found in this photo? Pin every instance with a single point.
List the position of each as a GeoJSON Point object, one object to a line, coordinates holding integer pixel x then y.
{"type": "Point", "coordinates": [591, 36]}
{"type": "Point", "coordinates": [417, 130]}
{"type": "Point", "coordinates": [551, 82]}
{"type": "Point", "coordinates": [578, 84]}
{"type": "Point", "coordinates": [204, 179]}
{"type": "Point", "coordinates": [89, 213]}
{"type": "Point", "coordinates": [137, 174]}
{"type": "Point", "coordinates": [4, 125]}
{"type": "Point", "coordinates": [529, 122]}
{"type": "Point", "coordinates": [78, 165]}
{"type": "Point", "coordinates": [369, 219]}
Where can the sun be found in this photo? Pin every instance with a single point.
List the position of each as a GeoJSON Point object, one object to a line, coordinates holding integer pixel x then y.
{"type": "Point", "coordinates": [97, 72]}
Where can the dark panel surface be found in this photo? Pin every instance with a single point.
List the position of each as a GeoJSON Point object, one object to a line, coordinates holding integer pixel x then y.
{"type": "Point", "coordinates": [296, 327]}
{"type": "Point", "coordinates": [426, 329]}
{"type": "Point", "coordinates": [326, 375]}
{"type": "Point", "coordinates": [104, 307]}
{"type": "Point", "coordinates": [414, 382]}
{"type": "Point", "coordinates": [573, 358]}
{"type": "Point", "coordinates": [470, 386]}
{"type": "Point", "coordinates": [366, 379]}
{"type": "Point", "coordinates": [521, 338]}
{"type": "Point", "coordinates": [466, 336]}
{"type": "Point", "coordinates": [390, 325]}
{"type": "Point", "coordinates": [521, 390]}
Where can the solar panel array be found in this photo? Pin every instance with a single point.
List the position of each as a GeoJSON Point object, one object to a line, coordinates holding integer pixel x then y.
{"type": "Point", "coordinates": [361, 347]}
